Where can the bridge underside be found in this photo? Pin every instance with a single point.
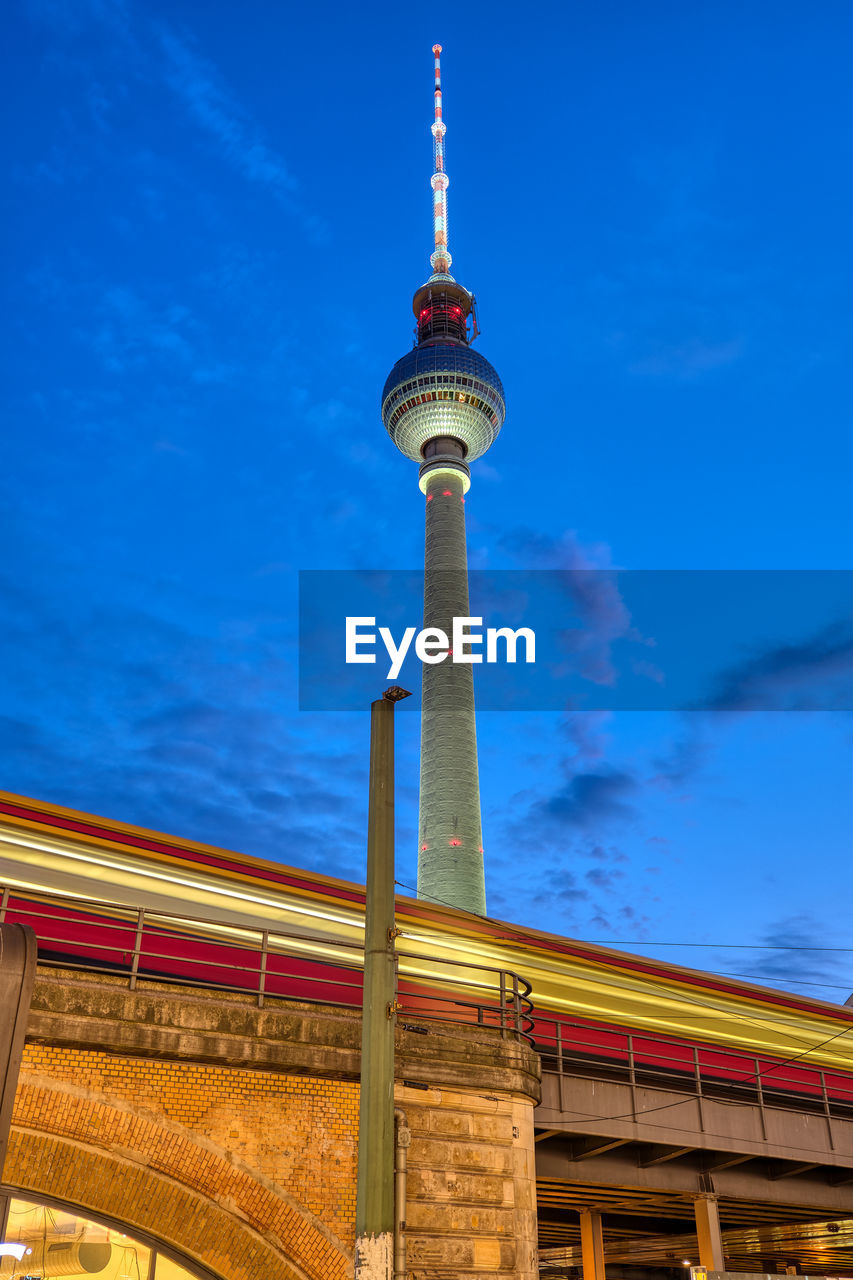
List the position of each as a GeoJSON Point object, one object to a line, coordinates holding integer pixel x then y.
{"type": "Point", "coordinates": [651, 1223]}
{"type": "Point", "coordinates": [638, 1160]}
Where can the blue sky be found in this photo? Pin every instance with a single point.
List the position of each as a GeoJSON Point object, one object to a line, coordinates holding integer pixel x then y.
{"type": "Point", "coordinates": [217, 217]}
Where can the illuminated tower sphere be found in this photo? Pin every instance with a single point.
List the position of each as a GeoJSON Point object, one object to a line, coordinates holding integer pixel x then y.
{"type": "Point", "coordinates": [443, 405]}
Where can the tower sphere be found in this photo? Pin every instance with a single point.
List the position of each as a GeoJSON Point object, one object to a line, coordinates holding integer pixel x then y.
{"type": "Point", "coordinates": [442, 404]}
{"type": "Point", "coordinates": [443, 389]}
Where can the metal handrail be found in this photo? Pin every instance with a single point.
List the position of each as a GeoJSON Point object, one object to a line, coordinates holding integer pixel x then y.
{"type": "Point", "coordinates": [741, 1078]}
{"type": "Point", "coordinates": [72, 903]}
{"type": "Point", "coordinates": [156, 945]}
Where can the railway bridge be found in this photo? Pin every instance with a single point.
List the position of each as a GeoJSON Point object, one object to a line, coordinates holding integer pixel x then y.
{"type": "Point", "coordinates": [666, 1162]}
{"type": "Point", "coordinates": [188, 1097]}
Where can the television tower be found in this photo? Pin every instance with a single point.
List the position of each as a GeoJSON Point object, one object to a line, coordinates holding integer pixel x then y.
{"type": "Point", "coordinates": [443, 406]}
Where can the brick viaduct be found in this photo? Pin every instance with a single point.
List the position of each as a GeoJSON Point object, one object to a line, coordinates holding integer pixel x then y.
{"type": "Point", "coordinates": [228, 1133]}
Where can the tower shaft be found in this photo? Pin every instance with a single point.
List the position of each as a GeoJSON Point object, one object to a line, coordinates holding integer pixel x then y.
{"type": "Point", "coordinates": [450, 862]}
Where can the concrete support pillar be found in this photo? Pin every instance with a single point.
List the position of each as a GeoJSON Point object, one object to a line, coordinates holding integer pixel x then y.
{"type": "Point", "coordinates": [592, 1245]}
{"type": "Point", "coordinates": [708, 1233]}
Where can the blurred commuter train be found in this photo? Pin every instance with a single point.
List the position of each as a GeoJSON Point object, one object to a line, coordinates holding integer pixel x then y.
{"type": "Point", "coordinates": [104, 895]}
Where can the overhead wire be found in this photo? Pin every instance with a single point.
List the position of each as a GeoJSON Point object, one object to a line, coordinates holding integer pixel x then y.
{"type": "Point", "coordinates": [637, 942]}
{"type": "Point", "coordinates": [735, 946]}
{"type": "Point", "coordinates": [801, 982]}
{"type": "Point", "coordinates": [762, 1024]}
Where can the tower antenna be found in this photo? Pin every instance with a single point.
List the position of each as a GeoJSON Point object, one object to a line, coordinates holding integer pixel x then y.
{"type": "Point", "coordinates": [440, 260]}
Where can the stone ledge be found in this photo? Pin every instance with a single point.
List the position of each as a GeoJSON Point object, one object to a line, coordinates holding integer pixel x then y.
{"type": "Point", "coordinates": [167, 1020]}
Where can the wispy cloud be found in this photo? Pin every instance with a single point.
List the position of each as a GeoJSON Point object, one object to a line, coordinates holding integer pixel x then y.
{"type": "Point", "coordinates": [199, 85]}
{"type": "Point", "coordinates": [116, 710]}
{"type": "Point", "coordinates": [682, 760]}
{"type": "Point", "coordinates": [604, 879]}
{"type": "Point", "coordinates": [812, 674]}
{"type": "Point", "coordinates": [132, 333]}
{"type": "Point", "coordinates": [586, 900]}
{"type": "Point", "coordinates": [560, 887]}
{"type": "Point", "coordinates": [586, 731]}
{"type": "Point", "coordinates": [588, 799]}
{"type": "Point", "coordinates": [799, 952]}
{"type": "Point", "coordinates": [586, 579]}
{"type": "Point", "coordinates": [153, 53]}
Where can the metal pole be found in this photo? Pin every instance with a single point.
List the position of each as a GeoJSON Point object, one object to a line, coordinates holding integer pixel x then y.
{"type": "Point", "coordinates": [262, 980]}
{"type": "Point", "coordinates": [137, 948]}
{"type": "Point", "coordinates": [374, 1210]}
{"type": "Point", "coordinates": [404, 1139]}
{"type": "Point", "coordinates": [632, 1075]}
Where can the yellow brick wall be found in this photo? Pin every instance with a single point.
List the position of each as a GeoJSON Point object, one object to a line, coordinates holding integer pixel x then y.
{"type": "Point", "coordinates": [237, 1136]}
{"type": "Point", "coordinates": [104, 1183]}
{"type": "Point", "coordinates": [298, 1132]}
{"type": "Point", "coordinates": [249, 1171]}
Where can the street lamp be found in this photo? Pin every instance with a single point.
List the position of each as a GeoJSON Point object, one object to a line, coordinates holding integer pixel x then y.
{"type": "Point", "coordinates": [374, 1212]}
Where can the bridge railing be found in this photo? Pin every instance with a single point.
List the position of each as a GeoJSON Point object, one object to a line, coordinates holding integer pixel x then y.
{"type": "Point", "coordinates": [665, 1062]}
{"type": "Point", "coordinates": [144, 943]}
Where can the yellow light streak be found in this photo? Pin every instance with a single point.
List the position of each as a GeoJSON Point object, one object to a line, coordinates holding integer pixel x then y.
{"type": "Point", "coordinates": [602, 991]}
{"type": "Point", "coordinates": [205, 888]}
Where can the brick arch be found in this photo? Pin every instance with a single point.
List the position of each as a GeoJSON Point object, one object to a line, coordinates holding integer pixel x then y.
{"type": "Point", "coordinates": [93, 1155]}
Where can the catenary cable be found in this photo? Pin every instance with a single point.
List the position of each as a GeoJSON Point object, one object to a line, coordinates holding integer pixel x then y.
{"type": "Point", "coordinates": [763, 1024]}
